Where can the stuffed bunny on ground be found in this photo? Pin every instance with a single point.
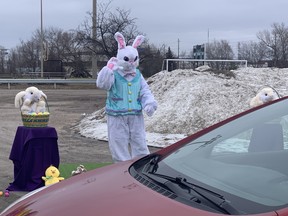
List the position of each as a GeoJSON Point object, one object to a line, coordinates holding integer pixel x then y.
{"type": "Point", "coordinates": [263, 96]}
{"type": "Point", "coordinates": [127, 95]}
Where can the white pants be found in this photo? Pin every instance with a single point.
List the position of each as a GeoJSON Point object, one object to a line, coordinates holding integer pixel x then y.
{"type": "Point", "coordinates": [126, 137]}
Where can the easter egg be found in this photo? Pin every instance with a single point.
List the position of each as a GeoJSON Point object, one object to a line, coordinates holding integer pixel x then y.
{"type": "Point", "coordinates": [1, 193]}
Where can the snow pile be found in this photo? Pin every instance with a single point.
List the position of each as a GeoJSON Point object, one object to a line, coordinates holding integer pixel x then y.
{"type": "Point", "coordinates": [189, 101]}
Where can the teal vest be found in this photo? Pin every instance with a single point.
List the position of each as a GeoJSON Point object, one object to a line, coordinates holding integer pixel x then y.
{"type": "Point", "coordinates": [124, 96]}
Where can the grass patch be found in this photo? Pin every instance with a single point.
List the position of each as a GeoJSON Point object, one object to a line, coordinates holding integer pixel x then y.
{"type": "Point", "coordinates": [66, 168]}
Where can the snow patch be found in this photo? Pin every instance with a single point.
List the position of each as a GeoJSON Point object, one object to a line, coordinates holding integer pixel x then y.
{"type": "Point", "coordinates": [190, 100]}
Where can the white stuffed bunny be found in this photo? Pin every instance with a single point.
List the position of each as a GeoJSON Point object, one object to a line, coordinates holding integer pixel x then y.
{"type": "Point", "coordinates": [31, 100]}
{"type": "Point", "coordinates": [127, 95]}
{"type": "Point", "coordinates": [263, 96]}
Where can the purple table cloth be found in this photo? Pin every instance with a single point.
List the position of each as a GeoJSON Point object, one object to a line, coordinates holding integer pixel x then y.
{"type": "Point", "coordinates": [33, 151]}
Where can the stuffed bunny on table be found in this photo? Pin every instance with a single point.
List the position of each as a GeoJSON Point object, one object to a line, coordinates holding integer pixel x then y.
{"type": "Point", "coordinates": [127, 94]}
{"type": "Point", "coordinates": [31, 100]}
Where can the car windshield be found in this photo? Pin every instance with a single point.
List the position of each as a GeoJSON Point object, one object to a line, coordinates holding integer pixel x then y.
{"type": "Point", "coordinates": [244, 160]}
{"type": "Point", "coordinates": [247, 157]}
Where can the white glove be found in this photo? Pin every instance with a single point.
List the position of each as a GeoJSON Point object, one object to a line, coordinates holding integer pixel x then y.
{"type": "Point", "coordinates": [149, 110]}
{"type": "Point", "coordinates": [112, 63]}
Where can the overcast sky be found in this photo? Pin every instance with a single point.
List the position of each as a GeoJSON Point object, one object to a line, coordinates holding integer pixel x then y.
{"type": "Point", "coordinates": [163, 21]}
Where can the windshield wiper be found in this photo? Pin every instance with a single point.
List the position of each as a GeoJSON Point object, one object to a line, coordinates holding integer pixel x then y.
{"type": "Point", "coordinates": [152, 166]}
{"type": "Point", "coordinates": [185, 188]}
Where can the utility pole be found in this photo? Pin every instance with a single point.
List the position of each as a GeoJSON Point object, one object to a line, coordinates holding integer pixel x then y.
{"type": "Point", "coordinates": [178, 53]}
{"type": "Point", "coordinates": [178, 47]}
{"type": "Point", "coordinates": [42, 38]}
{"type": "Point", "coordinates": [207, 46]}
{"type": "Point", "coordinates": [94, 68]}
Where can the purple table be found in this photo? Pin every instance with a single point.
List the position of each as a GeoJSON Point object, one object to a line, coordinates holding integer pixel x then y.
{"type": "Point", "coordinates": [33, 151]}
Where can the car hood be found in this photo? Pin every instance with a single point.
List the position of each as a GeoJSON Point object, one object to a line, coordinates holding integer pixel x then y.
{"type": "Point", "coordinates": [110, 190]}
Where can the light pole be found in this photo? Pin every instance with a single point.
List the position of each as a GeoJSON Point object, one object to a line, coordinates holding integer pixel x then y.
{"type": "Point", "coordinates": [94, 36]}
{"type": "Point", "coordinates": [42, 50]}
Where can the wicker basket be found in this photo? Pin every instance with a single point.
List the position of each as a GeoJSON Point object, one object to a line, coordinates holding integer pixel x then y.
{"type": "Point", "coordinates": [30, 120]}
{"type": "Point", "coordinates": [35, 120]}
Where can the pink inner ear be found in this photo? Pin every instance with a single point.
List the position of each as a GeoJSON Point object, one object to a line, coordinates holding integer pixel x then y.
{"type": "Point", "coordinates": [137, 43]}
{"type": "Point", "coordinates": [121, 42]}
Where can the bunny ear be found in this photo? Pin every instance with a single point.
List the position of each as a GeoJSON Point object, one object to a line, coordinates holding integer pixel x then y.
{"type": "Point", "coordinates": [18, 98]}
{"type": "Point", "coordinates": [120, 39]}
{"type": "Point", "coordinates": [138, 41]}
{"type": "Point", "coordinates": [43, 95]}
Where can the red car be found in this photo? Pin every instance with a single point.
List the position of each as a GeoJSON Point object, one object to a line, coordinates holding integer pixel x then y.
{"type": "Point", "coordinates": [236, 167]}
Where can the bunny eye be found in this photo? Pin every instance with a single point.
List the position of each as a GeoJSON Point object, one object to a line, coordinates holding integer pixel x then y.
{"type": "Point", "coordinates": [266, 94]}
{"type": "Point", "coordinates": [126, 58]}
{"type": "Point", "coordinates": [31, 93]}
{"type": "Point", "coordinates": [136, 58]}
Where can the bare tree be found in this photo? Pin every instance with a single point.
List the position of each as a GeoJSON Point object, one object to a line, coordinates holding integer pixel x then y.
{"type": "Point", "coordinates": [62, 51]}
{"type": "Point", "coordinates": [25, 58]}
{"type": "Point", "coordinates": [29, 55]}
{"type": "Point", "coordinates": [65, 47]}
{"type": "Point", "coordinates": [151, 60]}
{"type": "Point", "coordinates": [105, 46]}
{"type": "Point", "coordinates": [75, 48]}
{"type": "Point", "coordinates": [219, 50]}
{"type": "Point", "coordinates": [254, 52]}
{"type": "Point", "coordinates": [277, 43]}
{"type": "Point", "coordinates": [3, 53]}
{"type": "Point", "coordinates": [108, 23]}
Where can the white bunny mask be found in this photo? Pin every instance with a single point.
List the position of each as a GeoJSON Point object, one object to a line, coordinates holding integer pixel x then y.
{"type": "Point", "coordinates": [127, 56]}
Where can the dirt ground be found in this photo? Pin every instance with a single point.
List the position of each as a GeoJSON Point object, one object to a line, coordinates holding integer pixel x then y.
{"type": "Point", "coordinates": [67, 105]}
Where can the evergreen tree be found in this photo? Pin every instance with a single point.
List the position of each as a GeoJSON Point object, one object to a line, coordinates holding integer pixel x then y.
{"type": "Point", "coordinates": [171, 64]}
